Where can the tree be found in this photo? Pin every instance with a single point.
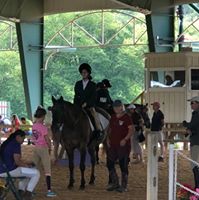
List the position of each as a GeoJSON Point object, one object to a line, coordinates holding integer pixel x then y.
{"type": "Point", "coordinates": [11, 82]}
{"type": "Point", "coordinates": [123, 66]}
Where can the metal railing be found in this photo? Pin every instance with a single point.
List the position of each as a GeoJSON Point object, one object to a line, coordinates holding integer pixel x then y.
{"type": "Point", "coordinates": [173, 166]}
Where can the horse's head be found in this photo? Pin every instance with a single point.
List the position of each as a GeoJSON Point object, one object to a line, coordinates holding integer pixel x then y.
{"type": "Point", "coordinates": [58, 109]}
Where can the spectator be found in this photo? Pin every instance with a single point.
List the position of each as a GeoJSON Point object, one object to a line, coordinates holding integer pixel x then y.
{"type": "Point", "coordinates": [156, 127]}
{"type": "Point", "coordinates": [42, 147]}
{"type": "Point", "coordinates": [193, 130]}
{"type": "Point", "coordinates": [1, 123]}
{"type": "Point", "coordinates": [6, 121]}
{"type": "Point", "coordinates": [138, 124]}
{"type": "Point", "coordinates": [169, 80]}
{"type": "Point", "coordinates": [26, 127]}
{"type": "Point", "coordinates": [48, 117]}
{"type": "Point", "coordinates": [10, 152]}
{"type": "Point", "coordinates": [1, 119]}
{"type": "Point", "coordinates": [145, 116]}
{"type": "Point", "coordinates": [119, 146]}
{"type": "Point", "coordinates": [15, 123]}
{"type": "Point", "coordinates": [48, 120]}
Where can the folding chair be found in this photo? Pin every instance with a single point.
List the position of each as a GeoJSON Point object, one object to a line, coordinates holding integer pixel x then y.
{"type": "Point", "coordinates": [10, 182]}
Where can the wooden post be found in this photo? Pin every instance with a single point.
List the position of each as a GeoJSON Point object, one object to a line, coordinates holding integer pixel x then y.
{"type": "Point", "coordinates": [152, 167]}
{"type": "Point", "coordinates": [171, 171]}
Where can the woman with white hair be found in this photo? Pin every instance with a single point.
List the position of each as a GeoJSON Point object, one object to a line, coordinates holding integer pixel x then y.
{"type": "Point", "coordinates": [138, 124]}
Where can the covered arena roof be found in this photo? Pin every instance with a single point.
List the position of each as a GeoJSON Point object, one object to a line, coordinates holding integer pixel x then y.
{"type": "Point", "coordinates": [32, 9]}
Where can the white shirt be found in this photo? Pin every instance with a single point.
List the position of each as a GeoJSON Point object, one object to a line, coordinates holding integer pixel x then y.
{"type": "Point", "coordinates": [85, 82]}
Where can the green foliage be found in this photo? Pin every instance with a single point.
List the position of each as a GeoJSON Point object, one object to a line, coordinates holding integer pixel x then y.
{"type": "Point", "coordinates": [11, 82]}
{"type": "Point", "coordinates": [123, 66]}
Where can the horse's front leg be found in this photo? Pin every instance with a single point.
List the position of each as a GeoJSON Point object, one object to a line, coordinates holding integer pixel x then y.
{"type": "Point", "coordinates": [91, 150]}
{"type": "Point", "coordinates": [70, 153]}
{"type": "Point", "coordinates": [56, 148]}
{"type": "Point", "coordinates": [82, 167]}
{"type": "Point", "coordinates": [62, 150]}
{"type": "Point", "coordinates": [97, 154]}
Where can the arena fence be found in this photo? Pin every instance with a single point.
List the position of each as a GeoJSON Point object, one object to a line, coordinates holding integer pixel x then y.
{"type": "Point", "coordinates": [174, 154]}
{"type": "Point", "coordinates": [5, 109]}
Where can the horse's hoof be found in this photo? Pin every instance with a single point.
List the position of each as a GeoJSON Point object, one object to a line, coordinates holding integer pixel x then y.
{"type": "Point", "coordinates": [91, 183]}
{"type": "Point", "coordinates": [82, 187]}
{"type": "Point", "coordinates": [70, 187]}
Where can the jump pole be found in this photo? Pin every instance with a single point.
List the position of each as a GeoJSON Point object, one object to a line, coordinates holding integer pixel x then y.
{"type": "Point", "coordinates": [152, 166]}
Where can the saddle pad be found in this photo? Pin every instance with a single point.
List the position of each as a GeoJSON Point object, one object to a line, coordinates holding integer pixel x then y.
{"type": "Point", "coordinates": [103, 121]}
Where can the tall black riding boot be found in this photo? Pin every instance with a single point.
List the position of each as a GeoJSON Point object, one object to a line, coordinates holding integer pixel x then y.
{"type": "Point", "coordinates": [124, 180]}
{"type": "Point", "coordinates": [115, 181]}
{"type": "Point", "coordinates": [196, 176]}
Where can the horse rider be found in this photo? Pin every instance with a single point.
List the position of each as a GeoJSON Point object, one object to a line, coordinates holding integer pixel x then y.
{"type": "Point", "coordinates": [104, 100]}
{"type": "Point", "coordinates": [85, 97]}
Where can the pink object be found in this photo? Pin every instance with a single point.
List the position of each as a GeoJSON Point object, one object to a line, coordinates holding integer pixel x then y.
{"type": "Point", "coordinates": [39, 132]}
{"type": "Point", "coordinates": [197, 190]}
{"type": "Point", "coordinates": [193, 197]}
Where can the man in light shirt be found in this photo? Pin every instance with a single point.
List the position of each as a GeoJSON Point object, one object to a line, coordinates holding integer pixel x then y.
{"type": "Point", "coordinates": [26, 127]}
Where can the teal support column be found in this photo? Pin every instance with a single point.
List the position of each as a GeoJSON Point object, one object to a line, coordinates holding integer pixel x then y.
{"type": "Point", "coordinates": [161, 24]}
{"type": "Point", "coordinates": [31, 34]}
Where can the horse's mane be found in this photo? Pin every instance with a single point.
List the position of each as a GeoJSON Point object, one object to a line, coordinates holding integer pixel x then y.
{"type": "Point", "coordinates": [72, 106]}
{"type": "Point", "coordinates": [73, 111]}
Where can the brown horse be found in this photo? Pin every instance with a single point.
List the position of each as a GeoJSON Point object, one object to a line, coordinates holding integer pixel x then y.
{"type": "Point", "coordinates": [74, 125]}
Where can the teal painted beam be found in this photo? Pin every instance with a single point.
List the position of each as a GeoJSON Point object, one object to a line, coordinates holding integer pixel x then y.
{"type": "Point", "coordinates": [161, 25]}
{"type": "Point", "coordinates": [29, 34]}
{"type": "Point", "coordinates": [194, 7]}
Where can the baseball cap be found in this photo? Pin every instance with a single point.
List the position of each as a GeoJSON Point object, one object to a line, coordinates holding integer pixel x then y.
{"type": "Point", "coordinates": [117, 103]}
{"type": "Point", "coordinates": [156, 103]}
{"type": "Point", "coordinates": [131, 106]}
{"type": "Point", "coordinates": [194, 99]}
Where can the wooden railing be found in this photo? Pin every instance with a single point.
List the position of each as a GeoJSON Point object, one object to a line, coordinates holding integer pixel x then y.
{"type": "Point", "coordinates": [12, 126]}
{"type": "Point", "coordinates": [170, 132]}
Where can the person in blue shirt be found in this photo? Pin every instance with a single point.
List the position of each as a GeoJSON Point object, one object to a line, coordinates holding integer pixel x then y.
{"type": "Point", "coordinates": [10, 154]}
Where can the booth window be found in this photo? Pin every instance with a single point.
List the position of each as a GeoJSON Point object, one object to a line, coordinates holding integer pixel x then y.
{"type": "Point", "coordinates": [195, 79]}
{"type": "Point", "coordinates": [167, 79]}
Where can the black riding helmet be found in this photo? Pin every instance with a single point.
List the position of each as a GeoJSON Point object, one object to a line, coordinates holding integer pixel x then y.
{"type": "Point", "coordinates": [100, 85]}
{"type": "Point", "coordinates": [85, 66]}
{"type": "Point", "coordinates": [106, 82]}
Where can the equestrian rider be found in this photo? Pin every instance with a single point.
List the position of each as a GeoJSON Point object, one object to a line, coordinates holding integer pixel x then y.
{"type": "Point", "coordinates": [104, 100]}
{"type": "Point", "coordinates": [85, 96]}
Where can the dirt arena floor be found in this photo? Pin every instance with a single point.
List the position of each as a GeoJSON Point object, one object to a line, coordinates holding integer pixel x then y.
{"type": "Point", "coordinates": [137, 182]}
